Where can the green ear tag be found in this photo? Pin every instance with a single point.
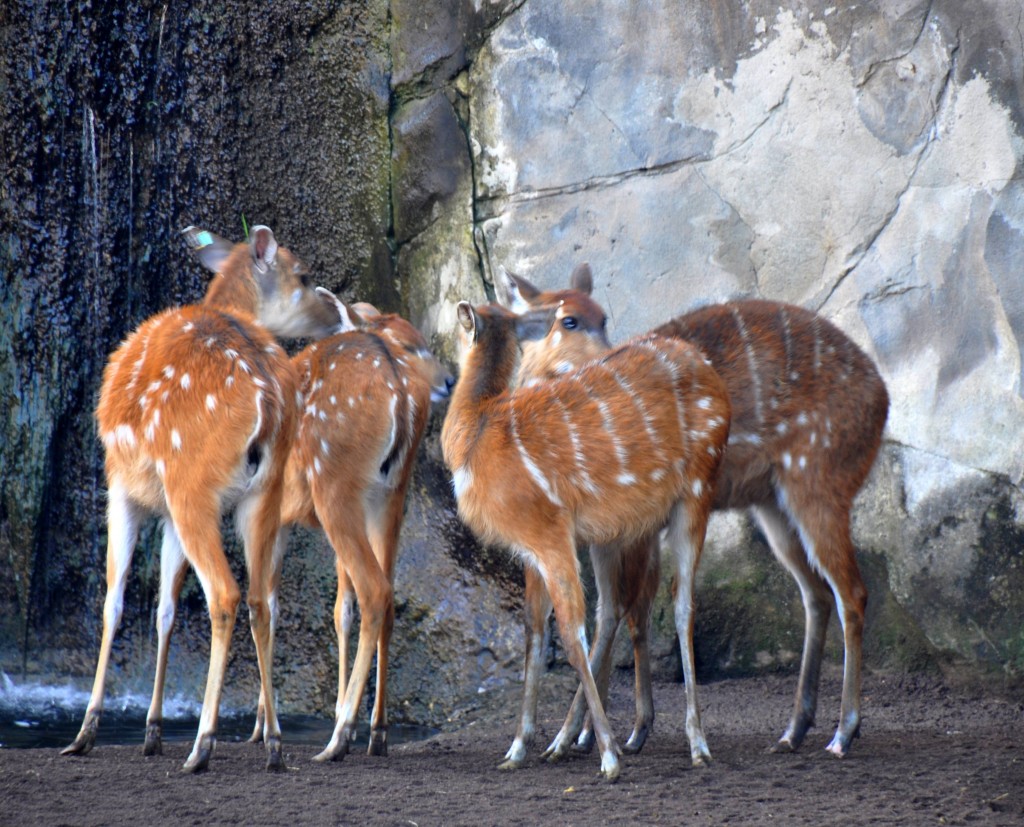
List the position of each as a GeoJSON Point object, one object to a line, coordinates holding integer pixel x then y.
{"type": "Point", "coordinates": [203, 239]}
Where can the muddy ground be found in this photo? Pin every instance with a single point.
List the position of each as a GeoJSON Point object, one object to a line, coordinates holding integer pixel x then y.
{"type": "Point", "coordinates": [929, 754]}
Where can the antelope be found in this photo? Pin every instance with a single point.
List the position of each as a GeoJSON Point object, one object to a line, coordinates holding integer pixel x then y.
{"type": "Point", "coordinates": [809, 409]}
{"type": "Point", "coordinates": [367, 393]}
{"type": "Point", "coordinates": [616, 449]}
{"type": "Point", "coordinates": [197, 413]}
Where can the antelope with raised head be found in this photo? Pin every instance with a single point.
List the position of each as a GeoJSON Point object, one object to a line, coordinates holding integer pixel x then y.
{"type": "Point", "coordinates": [614, 450]}
{"type": "Point", "coordinates": [197, 412]}
{"type": "Point", "coordinates": [367, 393]}
{"type": "Point", "coordinates": [808, 412]}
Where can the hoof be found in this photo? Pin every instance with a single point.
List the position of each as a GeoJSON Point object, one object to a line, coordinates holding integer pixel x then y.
{"type": "Point", "coordinates": [636, 742]}
{"type": "Point", "coordinates": [199, 760]}
{"type": "Point", "coordinates": [275, 760]}
{"type": "Point", "coordinates": [333, 752]}
{"type": "Point", "coordinates": [86, 738]}
{"type": "Point", "coordinates": [583, 745]}
{"type": "Point", "coordinates": [81, 745]}
{"type": "Point", "coordinates": [154, 739]}
{"type": "Point", "coordinates": [610, 769]}
{"type": "Point", "coordinates": [782, 746]}
{"type": "Point", "coordinates": [510, 764]}
{"type": "Point", "coordinates": [378, 742]}
{"type": "Point", "coordinates": [700, 761]}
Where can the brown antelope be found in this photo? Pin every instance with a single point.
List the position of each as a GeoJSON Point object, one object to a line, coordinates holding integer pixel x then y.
{"type": "Point", "coordinates": [197, 413]}
{"type": "Point", "coordinates": [809, 408]}
{"type": "Point", "coordinates": [614, 450]}
{"type": "Point", "coordinates": [367, 399]}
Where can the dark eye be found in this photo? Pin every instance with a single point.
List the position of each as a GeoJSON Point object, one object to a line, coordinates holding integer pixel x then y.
{"type": "Point", "coordinates": [604, 322]}
{"type": "Point", "coordinates": [570, 323]}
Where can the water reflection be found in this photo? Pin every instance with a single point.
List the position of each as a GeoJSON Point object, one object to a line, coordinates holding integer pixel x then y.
{"type": "Point", "coordinates": [40, 716]}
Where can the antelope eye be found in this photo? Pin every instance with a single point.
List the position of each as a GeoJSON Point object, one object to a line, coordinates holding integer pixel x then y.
{"type": "Point", "coordinates": [604, 322]}
{"type": "Point", "coordinates": [570, 323]}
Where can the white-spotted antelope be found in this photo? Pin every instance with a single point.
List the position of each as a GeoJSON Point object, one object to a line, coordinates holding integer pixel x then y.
{"type": "Point", "coordinates": [367, 393]}
{"type": "Point", "coordinates": [809, 409]}
{"type": "Point", "coordinates": [616, 449]}
{"type": "Point", "coordinates": [197, 413]}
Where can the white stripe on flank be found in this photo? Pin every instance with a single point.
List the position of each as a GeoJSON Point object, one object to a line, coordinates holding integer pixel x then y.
{"type": "Point", "coordinates": [577, 451]}
{"type": "Point", "coordinates": [752, 366]}
{"type": "Point", "coordinates": [531, 466]}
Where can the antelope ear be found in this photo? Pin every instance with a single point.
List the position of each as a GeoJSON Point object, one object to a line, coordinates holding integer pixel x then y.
{"type": "Point", "coordinates": [582, 279]}
{"type": "Point", "coordinates": [535, 324]}
{"type": "Point", "coordinates": [262, 246]}
{"type": "Point", "coordinates": [348, 319]}
{"type": "Point", "coordinates": [211, 249]}
{"type": "Point", "coordinates": [467, 317]}
{"type": "Point", "coordinates": [518, 291]}
{"type": "Point", "coordinates": [365, 310]}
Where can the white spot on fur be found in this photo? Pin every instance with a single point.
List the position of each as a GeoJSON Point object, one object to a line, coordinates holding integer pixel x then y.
{"type": "Point", "coordinates": [169, 371]}
{"type": "Point", "coordinates": [161, 469]}
{"type": "Point", "coordinates": [698, 488]}
{"type": "Point", "coordinates": [175, 439]}
{"type": "Point", "coordinates": [186, 381]}
{"type": "Point", "coordinates": [211, 402]}
{"type": "Point", "coordinates": [787, 460]}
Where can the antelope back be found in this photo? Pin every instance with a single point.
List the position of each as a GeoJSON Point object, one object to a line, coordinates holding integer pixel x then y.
{"type": "Point", "coordinates": [264, 280]}
{"type": "Point", "coordinates": [195, 397]}
{"type": "Point", "coordinates": [611, 446]}
{"type": "Point", "coordinates": [367, 395]}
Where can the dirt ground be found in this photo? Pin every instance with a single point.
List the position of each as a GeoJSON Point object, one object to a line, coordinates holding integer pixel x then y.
{"type": "Point", "coordinates": [928, 754]}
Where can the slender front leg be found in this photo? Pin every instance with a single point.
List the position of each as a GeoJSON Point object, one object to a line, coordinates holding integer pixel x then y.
{"type": "Point", "coordinates": [172, 577]}
{"type": "Point", "coordinates": [122, 531]}
{"type": "Point", "coordinates": [537, 610]}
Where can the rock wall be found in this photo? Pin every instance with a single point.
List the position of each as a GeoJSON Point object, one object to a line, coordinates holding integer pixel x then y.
{"type": "Point", "coordinates": [859, 160]}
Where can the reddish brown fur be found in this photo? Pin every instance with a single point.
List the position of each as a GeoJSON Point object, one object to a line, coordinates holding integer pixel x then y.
{"type": "Point", "coordinates": [607, 452]}
{"type": "Point", "coordinates": [367, 400]}
{"type": "Point", "coordinates": [197, 412]}
{"type": "Point", "coordinates": [809, 409]}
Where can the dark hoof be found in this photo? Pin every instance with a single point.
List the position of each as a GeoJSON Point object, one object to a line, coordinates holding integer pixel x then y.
{"type": "Point", "coordinates": [584, 745]}
{"type": "Point", "coordinates": [636, 742]}
{"type": "Point", "coordinates": [154, 739]}
{"type": "Point", "coordinates": [199, 760]}
{"type": "Point", "coordinates": [81, 745]}
{"type": "Point", "coordinates": [333, 752]}
{"type": "Point", "coordinates": [378, 742]}
{"type": "Point", "coordinates": [275, 760]}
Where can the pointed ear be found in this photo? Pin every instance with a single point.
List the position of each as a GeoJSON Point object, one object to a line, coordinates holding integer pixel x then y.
{"type": "Point", "coordinates": [467, 317]}
{"type": "Point", "coordinates": [518, 292]}
{"type": "Point", "coordinates": [582, 279]}
{"type": "Point", "coordinates": [209, 248]}
{"type": "Point", "coordinates": [365, 310]}
{"type": "Point", "coordinates": [262, 246]}
{"type": "Point", "coordinates": [348, 319]}
{"type": "Point", "coordinates": [534, 325]}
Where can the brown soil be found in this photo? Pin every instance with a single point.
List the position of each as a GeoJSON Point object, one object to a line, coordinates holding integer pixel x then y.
{"type": "Point", "coordinates": [928, 755]}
